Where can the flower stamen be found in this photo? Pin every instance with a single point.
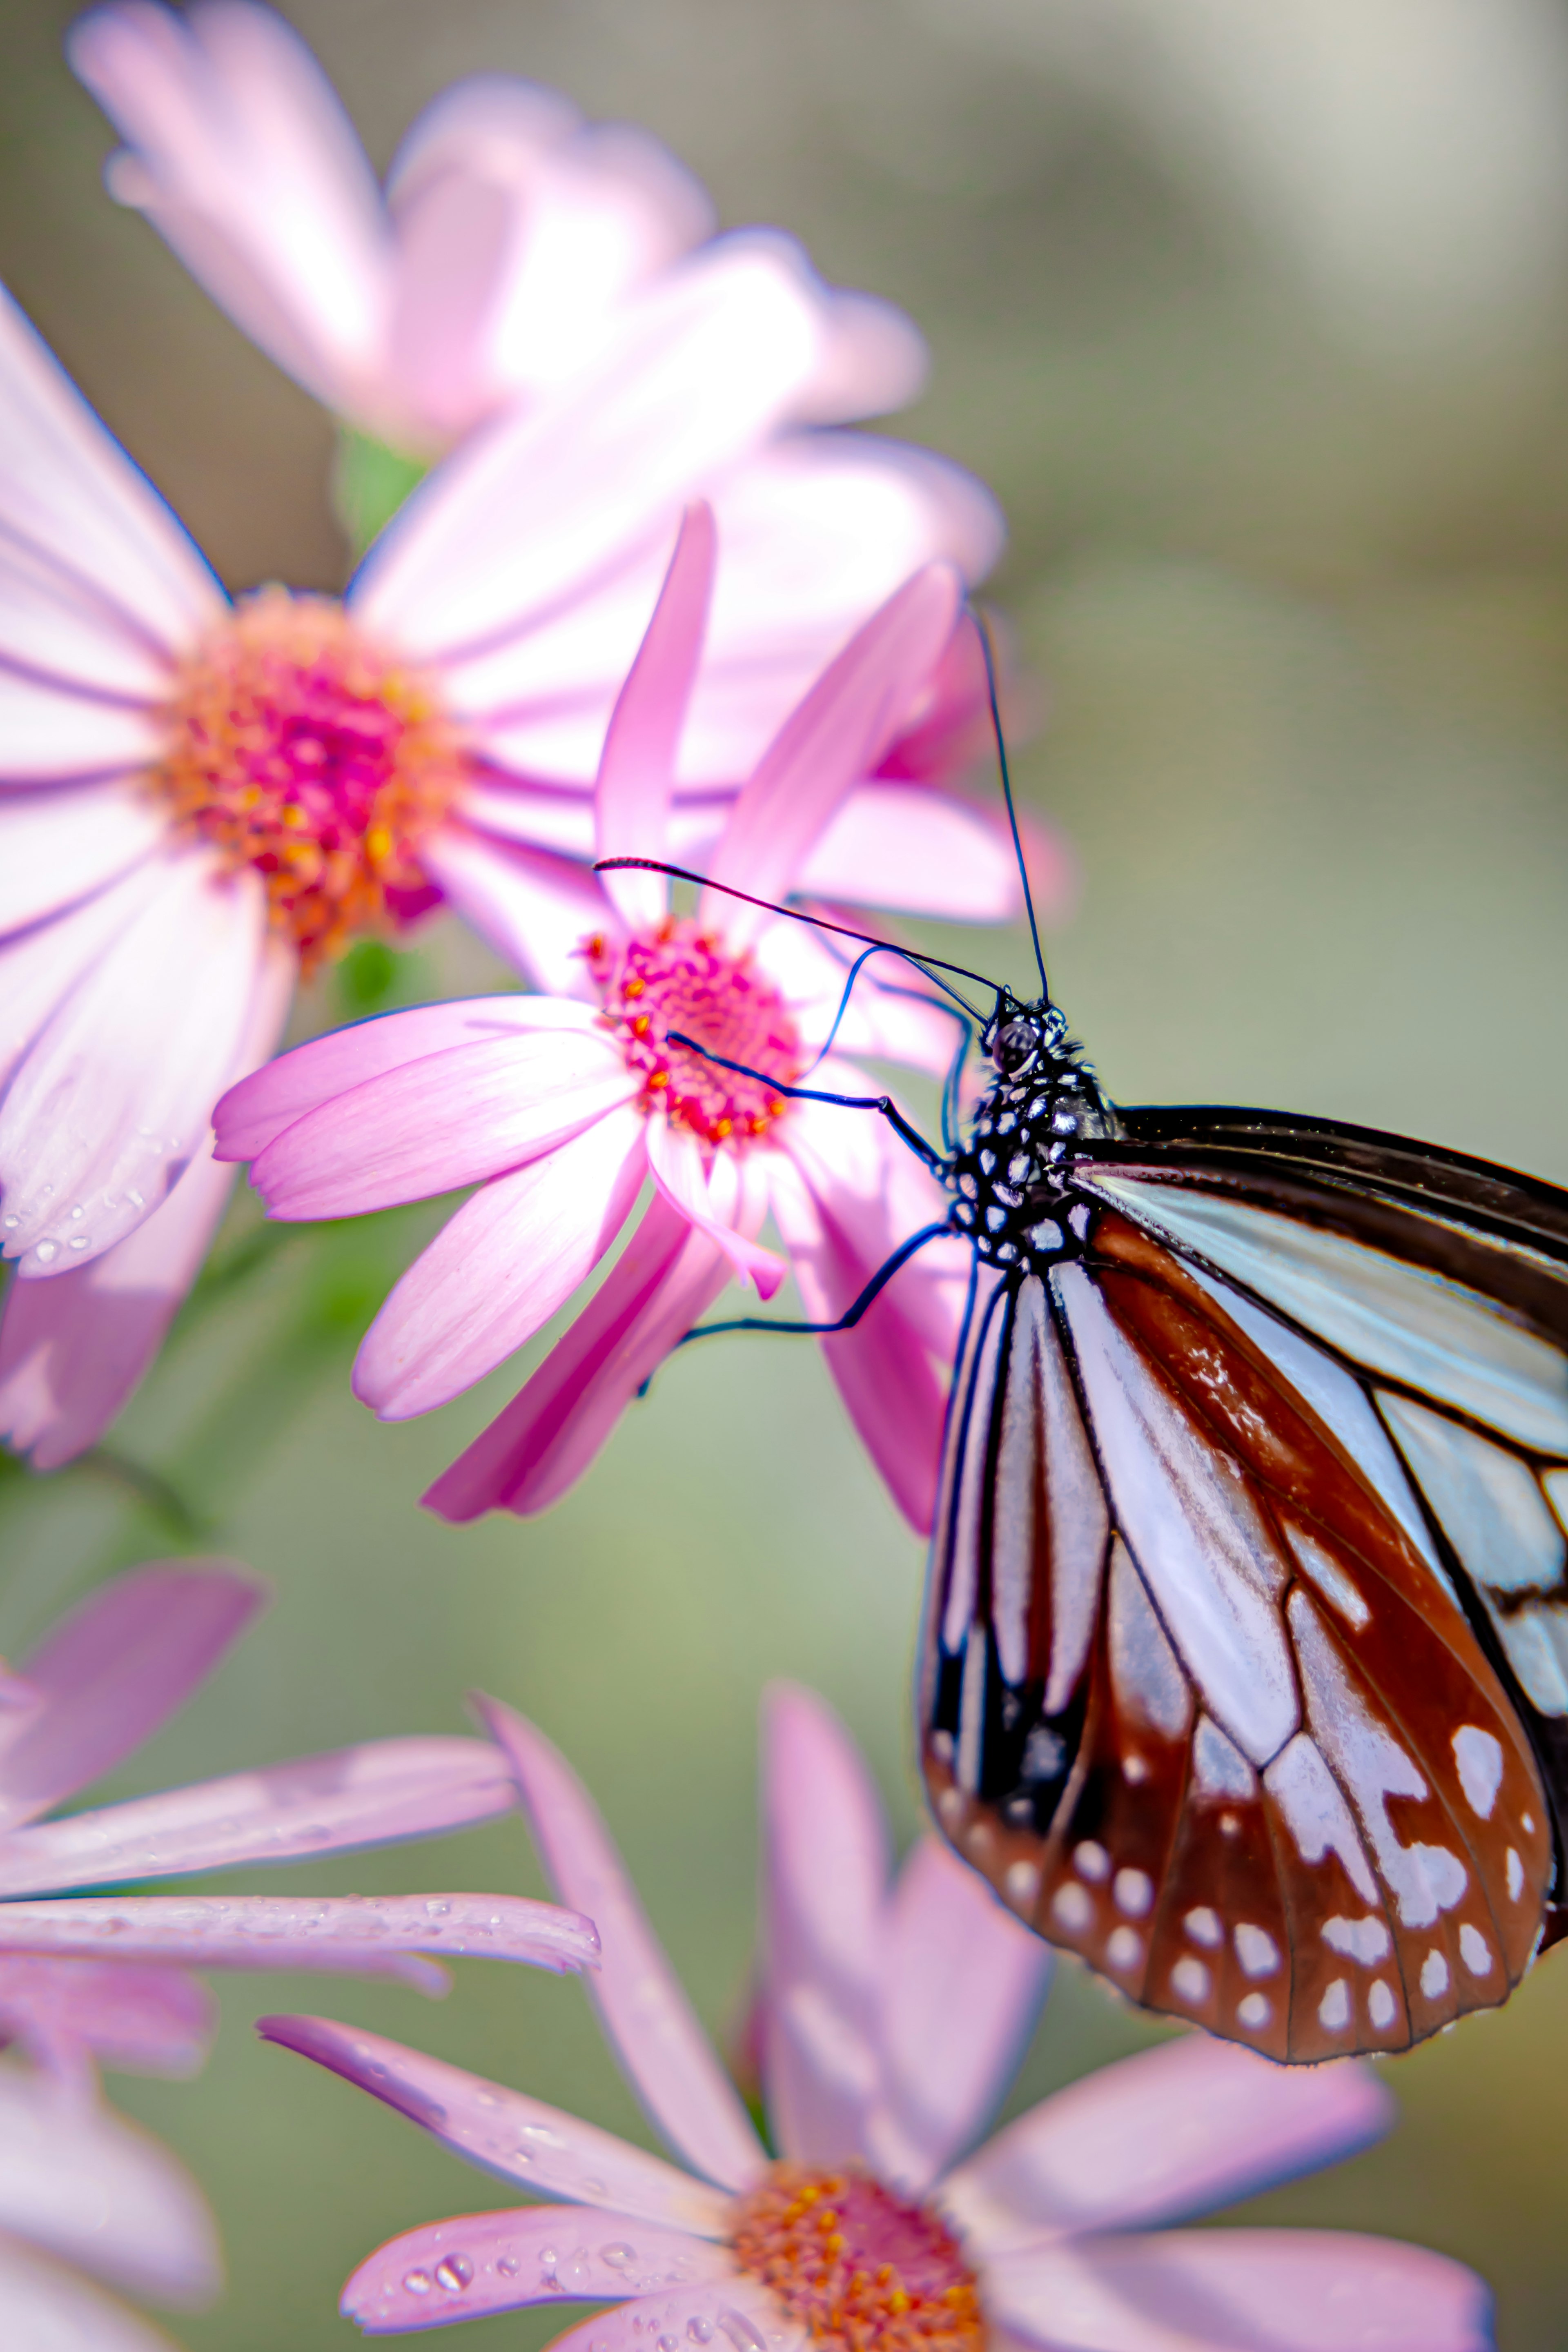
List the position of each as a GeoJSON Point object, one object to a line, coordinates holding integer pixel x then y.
{"type": "Point", "coordinates": [863, 2270]}
{"type": "Point", "coordinates": [676, 981]}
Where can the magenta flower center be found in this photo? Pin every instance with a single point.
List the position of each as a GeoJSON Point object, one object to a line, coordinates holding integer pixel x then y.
{"type": "Point", "coordinates": [300, 748]}
{"type": "Point", "coordinates": [862, 2270]}
{"type": "Point", "coordinates": [676, 982]}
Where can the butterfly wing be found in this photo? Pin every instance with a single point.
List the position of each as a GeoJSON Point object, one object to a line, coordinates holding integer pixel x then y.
{"type": "Point", "coordinates": [1247, 1526]}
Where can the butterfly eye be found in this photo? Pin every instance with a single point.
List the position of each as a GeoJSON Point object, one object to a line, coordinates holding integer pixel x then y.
{"type": "Point", "coordinates": [1016, 1045]}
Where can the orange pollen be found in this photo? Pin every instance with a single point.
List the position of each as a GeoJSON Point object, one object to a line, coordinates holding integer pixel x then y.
{"type": "Point", "coordinates": [677, 981]}
{"type": "Point", "coordinates": [300, 748]}
{"type": "Point", "coordinates": [860, 2269]}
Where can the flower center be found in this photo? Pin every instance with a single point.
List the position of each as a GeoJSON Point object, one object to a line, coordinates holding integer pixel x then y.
{"type": "Point", "coordinates": [676, 981]}
{"type": "Point", "coordinates": [861, 2269]}
{"type": "Point", "coordinates": [300, 749]}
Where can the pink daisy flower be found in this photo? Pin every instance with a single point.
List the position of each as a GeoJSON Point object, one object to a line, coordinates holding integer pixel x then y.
{"type": "Point", "coordinates": [198, 798]}
{"type": "Point", "coordinates": [561, 1107]}
{"type": "Point", "coordinates": [891, 2018]}
{"type": "Point", "coordinates": [514, 241]}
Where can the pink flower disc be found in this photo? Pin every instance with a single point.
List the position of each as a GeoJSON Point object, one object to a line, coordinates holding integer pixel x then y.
{"type": "Point", "coordinates": [301, 749]}
{"type": "Point", "coordinates": [678, 979]}
{"type": "Point", "coordinates": [862, 2270]}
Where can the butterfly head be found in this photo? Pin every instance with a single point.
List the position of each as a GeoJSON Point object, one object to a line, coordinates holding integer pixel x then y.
{"type": "Point", "coordinates": [1013, 1175]}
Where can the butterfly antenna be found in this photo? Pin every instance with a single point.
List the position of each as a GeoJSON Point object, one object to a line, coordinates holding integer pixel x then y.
{"type": "Point", "coordinates": [988, 654]}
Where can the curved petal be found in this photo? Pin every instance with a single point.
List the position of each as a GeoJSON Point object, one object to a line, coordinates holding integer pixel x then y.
{"type": "Point", "coordinates": [112, 1671]}
{"type": "Point", "coordinates": [1241, 2291]}
{"type": "Point", "coordinates": [115, 1096]}
{"type": "Point", "coordinates": [535, 909]}
{"type": "Point", "coordinates": [147, 2020]}
{"type": "Point", "coordinates": [739, 2309]}
{"type": "Point", "coordinates": [667, 1277]}
{"type": "Point", "coordinates": [663, 2052]}
{"type": "Point", "coordinates": [59, 846]}
{"type": "Point", "coordinates": [928, 852]}
{"type": "Point", "coordinates": [242, 158]}
{"type": "Point", "coordinates": [376, 1794]}
{"type": "Point", "coordinates": [961, 1986]}
{"type": "Point", "coordinates": [449, 1120]}
{"type": "Point", "coordinates": [825, 1873]}
{"type": "Point", "coordinates": [698, 1193]}
{"type": "Point", "coordinates": [874, 361]}
{"type": "Point", "coordinates": [483, 2263]}
{"type": "Point", "coordinates": [550, 2152]}
{"type": "Point", "coordinates": [39, 969]}
{"type": "Point", "coordinates": [256, 1112]}
{"type": "Point", "coordinates": [835, 736]}
{"type": "Point", "coordinates": [500, 1268]}
{"type": "Point", "coordinates": [360, 1935]}
{"type": "Point", "coordinates": [76, 2179]}
{"type": "Point", "coordinates": [636, 768]}
{"type": "Point", "coordinates": [1172, 2132]}
{"type": "Point", "coordinates": [55, 2309]}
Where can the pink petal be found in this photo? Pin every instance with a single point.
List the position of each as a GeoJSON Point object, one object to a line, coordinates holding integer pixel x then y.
{"type": "Point", "coordinates": [58, 2312]}
{"type": "Point", "coordinates": [895, 1018]}
{"type": "Point", "coordinates": [358, 1934]}
{"type": "Point", "coordinates": [834, 737]}
{"type": "Point", "coordinates": [1172, 2132]}
{"type": "Point", "coordinates": [675, 1156]}
{"type": "Point", "coordinates": [1241, 2291]}
{"type": "Point", "coordinates": [375, 1794]}
{"type": "Point", "coordinates": [114, 1099]}
{"type": "Point", "coordinates": [39, 969]}
{"type": "Point", "coordinates": [874, 361]}
{"type": "Point", "coordinates": [547, 503]}
{"type": "Point", "coordinates": [636, 768]}
{"type": "Point", "coordinates": [244, 160]}
{"type": "Point", "coordinates": [825, 1872]}
{"type": "Point", "coordinates": [503, 2262]}
{"type": "Point", "coordinates": [935, 853]}
{"type": "Point", "coordinates": [77, 2180]}
{"type": "Point", "coordinates": [155, 2020]}
{"type": "Point", "coordinates": [550, 2152]}
{"type": "Point", "coordinates": [91, 552]}
{"type": "Point", "coordinates": [500, 1268]}
{"type": "Point", "coordinates": [59, 846]}
{"type": "Point", "coordinates": [663, 2053]}
{"type": "Point", "coordinates": [256, 1112]}
{"type": "Point", "coordinates": [962, 1983]}
{"type": "Point", "coordinates": [739, 2309]}
{"type": "Point", "coordinates": [665, 1278]}
{"type": "Point", "coordinates": [446, 1119]}
{"type": "Point", "coordinates": [111, 1672]}
{"type": "Point", "coordinates": [535, 909]}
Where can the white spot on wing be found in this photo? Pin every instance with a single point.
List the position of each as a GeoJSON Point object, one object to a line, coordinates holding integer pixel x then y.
{"type": "Point", "coordinates": [1125, 1948]}
{"type": "Point", "coordinates": [1254, 2012]}
{"type": "Point", "coordinates": [1134, 1892]}
{"type": "Point", "coordinates": [1330, 1578]}
{"type": "Point", "coordinates": [1334, 2009]}
{"type": "Point", "coordinates": [1255, 1949]}
{"type": "Point", "coordinates": [1316, 1813]}
{"type": "Point", "coordinates": [1021, 1884]}
{"type": "Point", "coordinates": [1479, 1759]}
{"type": "Point", "coordinates": [1515, 1876]}
{"type": "Point", "coordinates": [1190, 1982]}
{"type": "Point", "coordinates": [1203, 1926]}
{"type": "Point", "coordinates": [1073, 1907]}
{"type": "Point", "coordinates": [1434, 1976]}
{"type": "Point", "coordinates": [1475, 1951]}
{"type": "Point", "coordinates": [1381, 2005]}
{"type": "Point", "coordinates": [1090, 1860]}
{"type": "Point", "coordinates": [1220, 1770]}
{"type": "Point", "coordinates": [1146, 1671]}
{"type": "Point", "coordinates": [1367, 1940]}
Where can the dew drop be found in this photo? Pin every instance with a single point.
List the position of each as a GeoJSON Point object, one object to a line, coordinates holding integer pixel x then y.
{"type": "Point", "coordinates": [81, 1240]}
{"type": "Point", "coordinates": [437, 1910]}
{"type": "Point", "coordinates": [12, 1224]}
{"type": "Point", "coordinates": [700, 2330]}
{"type": "Point", "coordinates": [416, 2282]}
{"type": "Point", "coordinates": [593, 2186]}
{"type": "Point", "coordinates": [618, 2255]}
{"type": "Point", "coordinates": [47, 1253]}
{"type": "Point", "coordinates": [453, 2271]}
{"type": "Point", "coordinates": [508, 2265]}
{"type": "Point", "coordinates": [669, 2343]}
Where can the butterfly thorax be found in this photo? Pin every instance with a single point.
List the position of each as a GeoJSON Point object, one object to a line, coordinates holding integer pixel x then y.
{"type": "Point", "coordinates": [1015, 1200]}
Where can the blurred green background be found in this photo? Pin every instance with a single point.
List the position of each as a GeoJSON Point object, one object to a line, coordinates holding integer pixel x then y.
{"type": "Point", "coordinates": [1258, 320]}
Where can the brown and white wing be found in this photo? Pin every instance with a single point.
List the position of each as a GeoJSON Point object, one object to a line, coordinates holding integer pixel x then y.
{"type": "Point", "coordinates": [1199, 1693]}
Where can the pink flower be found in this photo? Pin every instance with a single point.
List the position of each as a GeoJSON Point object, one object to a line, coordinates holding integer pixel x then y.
{"type": "Point", "coordinates": [513, 243]}
{"type": "Point", "coordinates": [891, 2019]}
{"type": "Point", "coordinates": [561, 1107]}
{"type": "Point", "coordinates": [196, 797]}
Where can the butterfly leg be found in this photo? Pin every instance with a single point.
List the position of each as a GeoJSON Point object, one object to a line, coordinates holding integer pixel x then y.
{"type": "Point", "coordinates": [852, 1313]}
{"type": "Point", "coordinates": [934, 1159]}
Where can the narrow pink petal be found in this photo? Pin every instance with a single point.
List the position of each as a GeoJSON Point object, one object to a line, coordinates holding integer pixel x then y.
{"type": "Point", "coordinates": [360, 1935]}
{"type": "Point", "coordinates": [832, 739]}
{"type": "Point", "coordinates": [636, 768]}
{"type": "Point", "coordinates": [56, 2311]}
{"type": "Point", "coordinates": [875, 361]}
{"type": "Point", "coordinates": [261, 1107]}
{"type": "Point", "coordinates": [1241, 2291]}
{"type": "Point", "coordinates": [40, 968]}
{"type": "Point", "coordinates": [449, 1120]}
{"type": "Point", "coordinates": [549, 2152]}
{"type": "Point", "coordinates": [59, 846]}
{"type": "Point", "coordinates": [961, 1987]}
{"type": "Point", "coordinates": [936, 852]}
{"type": "Point", "coordinates": [663, 2053]}
{"type": "Point", "coordinates": [114, 1097]}
{"type": "Point", "coordinates": [243, 159]}
{"type": "Point", "coordinates": [500, 1268]}
{"type": "Point", "coordinates": [1172, 2132]}
{"type": "Point", "coordinates": [666, 1277]}
{"type": "Point", "coordinates": [502, 2262]}
{"type": "Point", "coordinates": [154, 2021]}
{"type": "Point", "coordinates": [675, 1156]}
{"type": "Point", "coordinates": [825, 1872]}
{"type": "Point", "coordinates": [112, 1671]}
{"type": "Point", "coordinates": [535, 909]}
{"type": "Point", "coordinates": [376, 1794]}
{"type": "Point", "coordinates": [892, 1013]}
{"type": "Point", "coordinates": [80, 2182]}
{"type": "Point", "coordinates": [738, 2310]}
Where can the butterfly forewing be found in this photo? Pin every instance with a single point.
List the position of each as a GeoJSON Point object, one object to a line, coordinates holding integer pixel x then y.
{"type": "Point", "coordinates": [1202, 1692]}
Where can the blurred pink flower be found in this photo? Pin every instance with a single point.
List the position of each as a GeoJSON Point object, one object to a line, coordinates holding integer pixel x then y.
{"type": "Point", "coordinates": [562, 1107]}
{"type": "Point", "coordinates": [891, 2020]}
{"type": "Point", "coordinates": [512, 246]}
{"type": "Point", "coordinates": [195, 796]}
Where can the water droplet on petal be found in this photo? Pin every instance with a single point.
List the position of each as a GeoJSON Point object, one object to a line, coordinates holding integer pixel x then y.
{"type": "Point", "coordinates": [618, 2255]}
{"type": "Point", "coordinates": [669, 2343]}
{"type": "Point", "coordinates": [700, 2330]}
{"type": "Point", "coordinates": [508, 2265]}
{"type": "Point", "coordinates": [437, 1910]}
{"type": "Point", "coordinates": [47, 1253]}
{"type": "Point", "coordinates": [453, 2271]}
{"type": "Point", "coordinates": [415, 2282]}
